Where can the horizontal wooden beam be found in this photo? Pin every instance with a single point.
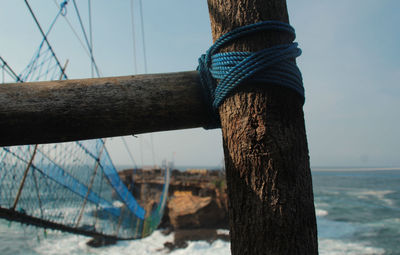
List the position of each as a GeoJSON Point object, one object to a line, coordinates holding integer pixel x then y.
{"type": "Point", "coordinates": [58, 111]}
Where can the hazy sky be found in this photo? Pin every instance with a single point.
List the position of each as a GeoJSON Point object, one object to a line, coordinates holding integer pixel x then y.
{"type": "Point", "coordinates": [350, 66]}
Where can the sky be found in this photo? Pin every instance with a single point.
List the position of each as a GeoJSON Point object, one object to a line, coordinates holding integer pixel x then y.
{"type": "Point", "coordinates": [350, 66]}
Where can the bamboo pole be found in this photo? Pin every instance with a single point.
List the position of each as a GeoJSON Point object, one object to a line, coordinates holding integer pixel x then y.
{"type": "Point", "coordinates": [58, 111]}
{"type": "Point", "coordinates": [21, 186]}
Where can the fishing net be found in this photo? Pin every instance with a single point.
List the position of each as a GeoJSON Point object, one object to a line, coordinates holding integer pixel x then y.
{"type": "Point", "coordinates": [72, 187]}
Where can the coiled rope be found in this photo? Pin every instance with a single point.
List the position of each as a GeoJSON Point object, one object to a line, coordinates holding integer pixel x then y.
{"type": "Point", "coordinates": [272, 65]}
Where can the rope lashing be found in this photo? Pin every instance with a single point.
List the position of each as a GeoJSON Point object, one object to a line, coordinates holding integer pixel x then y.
{"type": "Point", "coordinates": [272, 65]}
{"type": "Point", "coordinates": [63, 8]}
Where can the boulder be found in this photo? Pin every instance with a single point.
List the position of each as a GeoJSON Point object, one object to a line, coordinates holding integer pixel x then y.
{"type": "Point", "coordinates": [187, 211]}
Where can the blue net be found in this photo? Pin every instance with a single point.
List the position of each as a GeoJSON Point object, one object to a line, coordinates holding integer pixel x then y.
{"type": "Point", "coordinates": [72, 187]}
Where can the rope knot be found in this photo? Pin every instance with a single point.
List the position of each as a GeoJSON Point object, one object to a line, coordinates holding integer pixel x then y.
{"type": "Point", "coordinates": [63, 9]}
{"type": "Point", "coordinates": [272, 65]}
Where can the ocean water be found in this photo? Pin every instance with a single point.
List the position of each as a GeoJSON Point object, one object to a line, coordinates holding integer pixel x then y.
{"type": "Point", "coordinates": [358, 213]}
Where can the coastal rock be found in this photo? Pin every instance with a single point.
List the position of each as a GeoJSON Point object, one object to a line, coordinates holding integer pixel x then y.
{"type": "Point", "coordinates": [187, 211]}
{"type": "Point", "coordinates": [182, 236]}
{"type": "Point", "coordinates": [196, 199]}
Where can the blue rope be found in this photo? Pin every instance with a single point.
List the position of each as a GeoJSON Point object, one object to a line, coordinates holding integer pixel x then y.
{"type": "Point", "coordinates": [272, 65]}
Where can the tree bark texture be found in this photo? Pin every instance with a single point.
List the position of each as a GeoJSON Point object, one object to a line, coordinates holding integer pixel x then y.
{"type": "Point", "coordinates": [271, 204]}
{"type": "Point", "coordinates": [59, 111]}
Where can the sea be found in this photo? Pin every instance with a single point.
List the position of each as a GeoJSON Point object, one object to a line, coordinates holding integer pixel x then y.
{"type": "Point", "coordinates": [358, 212]}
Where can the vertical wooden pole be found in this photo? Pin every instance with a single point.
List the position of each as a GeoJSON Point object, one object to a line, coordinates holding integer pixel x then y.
{"type": "Point", "coordinates": [21, 186]}
{"type": "Point", "coordinates": [271, 206]}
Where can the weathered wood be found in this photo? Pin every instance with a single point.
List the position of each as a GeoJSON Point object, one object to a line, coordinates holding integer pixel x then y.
{"type": "Point", "coordinates": [271, 207]}
{"type": "Point", "coordinates": [57, 111]}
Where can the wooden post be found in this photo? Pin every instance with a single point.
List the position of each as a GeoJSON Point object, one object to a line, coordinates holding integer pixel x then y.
{"type": "Point", "coordinates": [271, 207]}
{"type": "Point", "coordinates": [58, 111]}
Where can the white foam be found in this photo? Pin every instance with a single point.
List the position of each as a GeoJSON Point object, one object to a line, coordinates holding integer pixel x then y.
{"type": "Point", "coordinates": [380, 194]}
{"type": "Point", "coordinates": [73, 245]}
{"type": "Point", "coordinates": [154, 244]}
{"type": "Point", "coordinates": [203, 248]}
{"type": "Point", "coordinates": [67, 244]}
{"type": "Point", "coordinates": [63, 245]}
{"type": "Point", "coordinates": [222, 231]}
{"type": "Point", "coordinates": [336, 247]}
{"type": "Point", "coordinates": [320, 212]}
{"type": "Point", "coordinates": [76, 245]}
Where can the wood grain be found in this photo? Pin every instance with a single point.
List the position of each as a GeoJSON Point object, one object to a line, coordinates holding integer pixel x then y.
{"type": "Point", "coordinates": [271, 206]}
{"type": "Point", "coordinates": [57, 111]}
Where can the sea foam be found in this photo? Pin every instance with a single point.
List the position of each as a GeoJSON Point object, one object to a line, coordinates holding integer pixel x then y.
{"type": "Point", "coordinates": [320, 212]}
{"type": "Point", "coordinates": [72, 245]}
{"type": "Point", "coordinates": [336, 247]}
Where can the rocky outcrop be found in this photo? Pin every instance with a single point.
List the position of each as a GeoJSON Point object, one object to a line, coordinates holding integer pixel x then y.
{"type": "Point", "coordinates": [196, 199]}
{"type": "Point", "coordinates": [197, 203]}
{"type": "Point", "coordinates": [187, 211]}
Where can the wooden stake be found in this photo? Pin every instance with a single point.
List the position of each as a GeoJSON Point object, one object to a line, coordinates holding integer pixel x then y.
{"type": "Point", "coordinates": [271, 207]}
{"type": "Point", "coordinates": [21, 186]}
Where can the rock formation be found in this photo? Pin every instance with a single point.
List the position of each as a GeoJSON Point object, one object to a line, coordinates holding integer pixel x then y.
{"type": "Point", "coordinates": [197, 201]}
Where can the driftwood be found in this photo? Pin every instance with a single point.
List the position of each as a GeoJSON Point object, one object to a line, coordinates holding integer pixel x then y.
{"type": "Point", "coordinates": [57, 111]}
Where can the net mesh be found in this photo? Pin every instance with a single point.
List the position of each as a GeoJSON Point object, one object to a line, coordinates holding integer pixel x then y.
{"type": "Point", "coordinates": [75, 186]}
{"type": "Point", "coordinates": [72, 186]}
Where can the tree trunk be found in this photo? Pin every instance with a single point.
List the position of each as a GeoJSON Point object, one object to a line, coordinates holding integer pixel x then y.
{"type": "Point", "coordinates": [271, 205]}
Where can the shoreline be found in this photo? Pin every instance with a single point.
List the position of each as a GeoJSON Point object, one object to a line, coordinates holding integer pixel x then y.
{"type": "Point", "coordinates": [182, 237]}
